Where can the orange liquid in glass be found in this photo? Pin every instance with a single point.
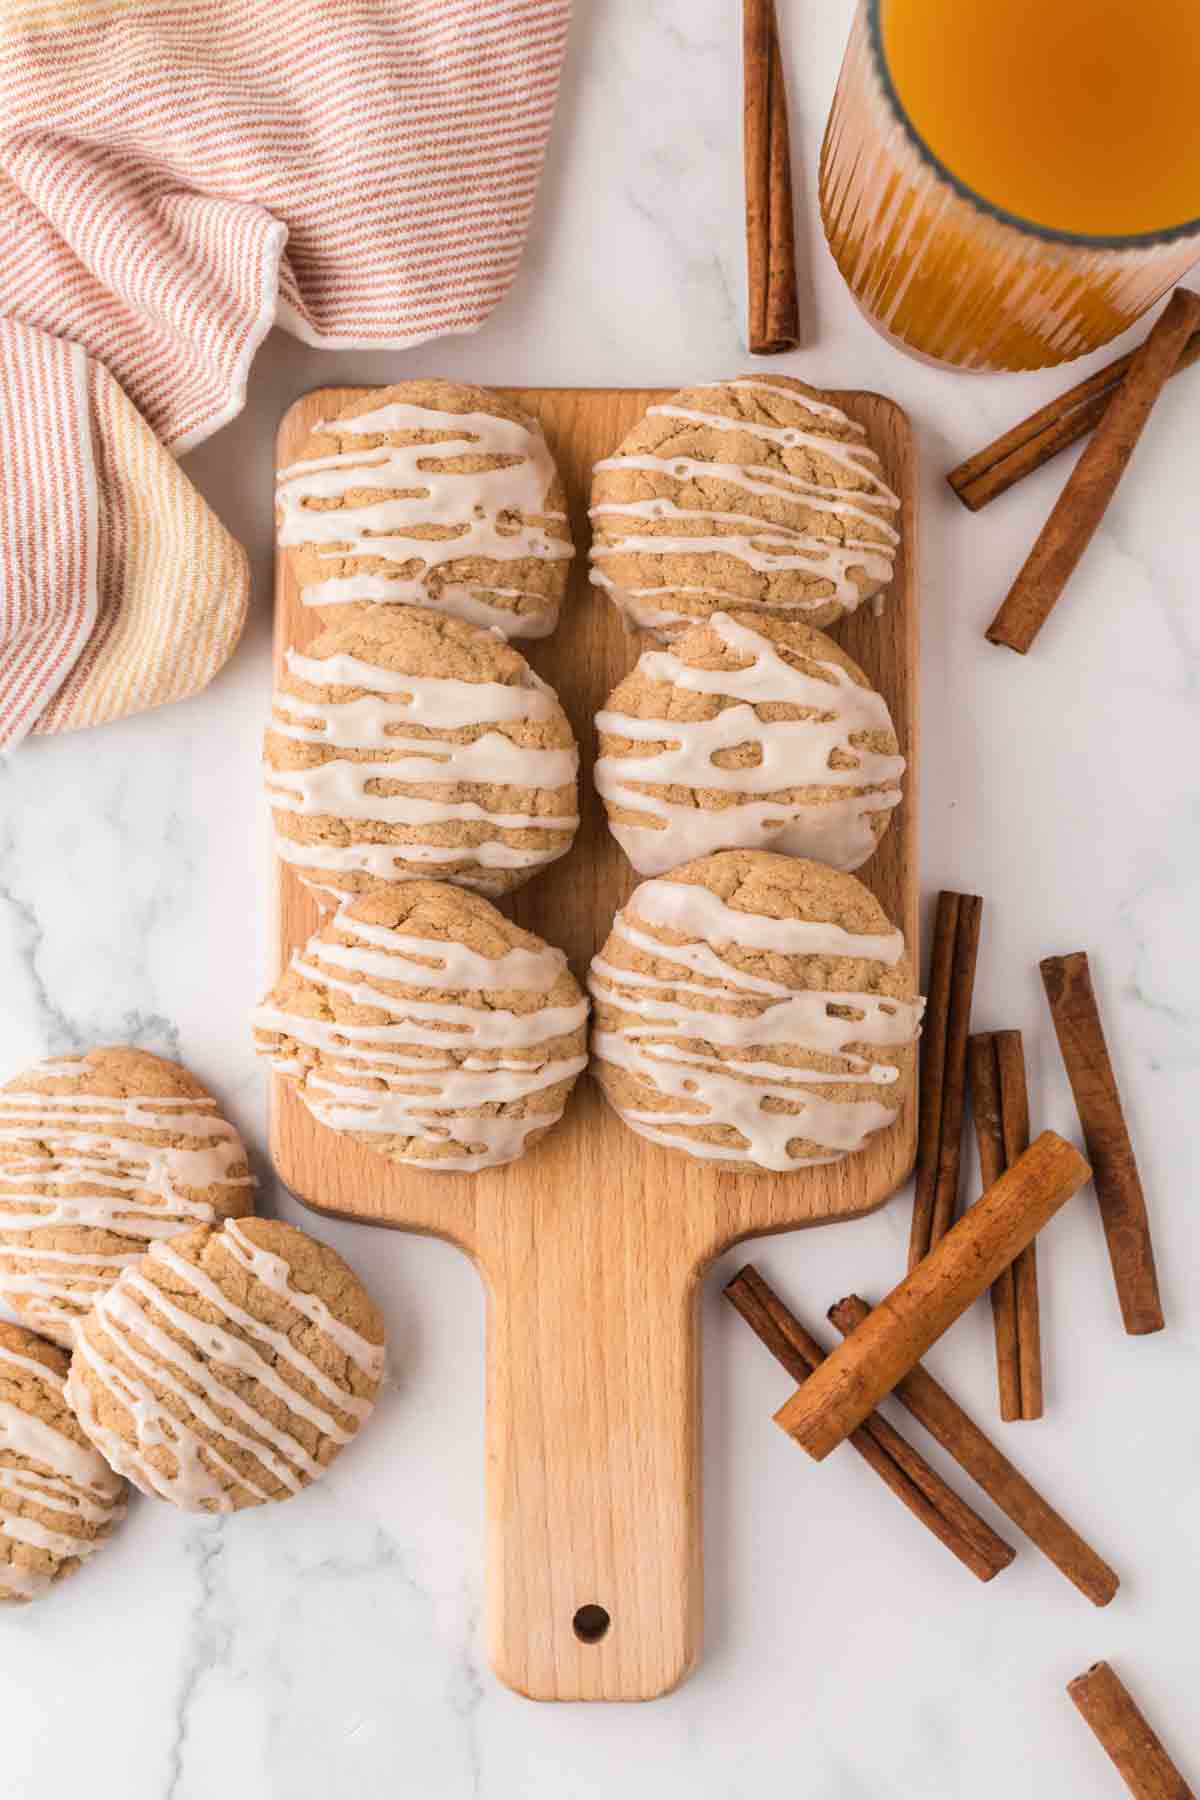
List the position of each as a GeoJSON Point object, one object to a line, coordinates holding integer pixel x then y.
{"type": "Point", "coordinates": [1076, 115]}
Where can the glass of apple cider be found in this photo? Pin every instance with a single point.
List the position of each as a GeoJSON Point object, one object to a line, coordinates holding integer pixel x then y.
{"type": "Point", "coordinates": [1006, 184]}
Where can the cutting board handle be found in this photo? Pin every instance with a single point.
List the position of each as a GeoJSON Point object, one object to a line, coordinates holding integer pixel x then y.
{"type": "Point", "coordinates": [593, 1487]}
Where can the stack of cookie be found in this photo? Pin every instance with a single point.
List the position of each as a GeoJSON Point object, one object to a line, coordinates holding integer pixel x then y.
{"type": "Point", "coordinates": [753, 1003]}
{"type": "Point", "coordinates": [167, 1337]}
{"type": "Point", "coordinates": [418, 769]}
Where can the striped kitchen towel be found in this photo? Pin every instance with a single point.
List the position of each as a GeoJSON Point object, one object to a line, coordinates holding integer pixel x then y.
{"type": "Point", "coordinates": [175, 176]}
{"type": "Point", "coordinates": [119, 587]}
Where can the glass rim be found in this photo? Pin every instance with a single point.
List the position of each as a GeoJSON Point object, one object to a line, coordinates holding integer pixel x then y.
{"type": "Point", "coordinates": [1141, 240]}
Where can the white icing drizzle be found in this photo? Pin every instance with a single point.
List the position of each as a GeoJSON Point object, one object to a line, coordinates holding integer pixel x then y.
{"type": "Point", "coordinates": [420, 1097]}
{"type": "Point", "coordinates": [670, 1046]}
{"type": "Point", "coordinates": [794, 753]}
{"type": "Point", "coordinates": [97, 1178]}
{"type": "Point", "coordinates": [40, 1466]}
{"type": "Point", "coordinates": [686, 906]}
{"type": "Point", "coordinates": [194, 1371]}
{"type": "Point", "coordinates": [274, 1272]}
{"type": "Point", "coordinates": [762, 546]}
{"type": "Point", "coordinates": [376, 720]}
{"type": "Point", "coordinates": [499, 514]}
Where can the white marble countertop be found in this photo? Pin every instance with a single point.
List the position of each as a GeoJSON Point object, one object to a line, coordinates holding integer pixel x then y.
{"type": "Point", "coordinates": [333, 1647]}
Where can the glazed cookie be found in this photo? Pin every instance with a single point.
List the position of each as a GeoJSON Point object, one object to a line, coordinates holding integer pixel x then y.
{"type": "Point", "coordinates": [58, 1497]}
{"type": "Point", "coordinates": [746, 493]}
{"type": "Point", "coordinates": [229, 1366]}
{"type": "Point", "coordinates": [430, 494]}
{"type": "Point", "coordinates": [755, 1009]}
{"type": "Point", "coordinates": [408, 744]}
{"type": "Point", "coordinates": [749, 732]}
{"type": "Point", "coordinates": [429, 1028]}
{"type": "Point", "coordinates": [100, 1154]}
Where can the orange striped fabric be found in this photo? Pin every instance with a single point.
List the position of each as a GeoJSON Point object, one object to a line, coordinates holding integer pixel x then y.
{"type": "Point", "coordinates": [175, 177]}
{"type": "Point", "coordinates": [172, 585]}
{"type": "Point", "coordinates": [119, 587]}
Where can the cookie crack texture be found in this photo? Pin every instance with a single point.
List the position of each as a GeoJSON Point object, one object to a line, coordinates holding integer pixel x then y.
{"type": "Point", "coordinates": [408, 745]}
{"type": "Point", "coordinates": [228, 1367]}
{"type": "Point", "coordinates": [429, 494]}
{"type": "Point", "coordinates": [750, 733]}
{"type": "Point", "coordinates": [748, 493]}
{"type": "Point", "coordinates": [101, 1155]}
{"type": "Point", "coordinates": [359, 1028]}
{"type": "Point", "coordinates": [755, 1009]}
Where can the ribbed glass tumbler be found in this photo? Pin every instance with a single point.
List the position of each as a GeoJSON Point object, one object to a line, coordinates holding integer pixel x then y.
{"type": "Point", "coordinates": [946, 275]}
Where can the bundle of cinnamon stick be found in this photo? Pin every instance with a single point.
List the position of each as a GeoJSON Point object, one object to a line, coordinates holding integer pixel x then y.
{"type": "Point", "coordinates": [1116, 403]}
{"type": "Point", "coordinates": [879, 1353]}
{"type": "Point", "coordinates": [931, 1500]}
{"type": "Point", "coordinates": [990, 1067]}
{"type": "Point", "coordinates": [952, 1262]}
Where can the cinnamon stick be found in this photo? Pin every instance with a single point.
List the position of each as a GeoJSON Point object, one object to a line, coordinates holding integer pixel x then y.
{"type": "Point", "coordinates": [974, 1452]}
{"type": "Point", "coordinates": [1080, 507]}
{"type": "Point", "coordinates": [1068, 984]}
{"type": "Point", "coordinates": [773, 306]}
{"type": "Point", "coordinates": [947, 1025]}
{"type": "Point", "coordinates": [1000, 1103]}
{"type": "Point", "coordinates": [857, 1375]}
{"type": "Point", "coordinates": [962, 988]}
{"type": "Point", "coordinates": [1105, 1703]}
{"type": "Point", "coordinates": [1014, 1117]}
{"type": "Point", "coordinates": [881, 1446]}
{"type": "Point", "coordinates": [1030, 445]}
{"type": "Point", "coordinates": [989, 1137]}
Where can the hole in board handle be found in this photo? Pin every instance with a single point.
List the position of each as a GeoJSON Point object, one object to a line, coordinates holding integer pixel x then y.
{"type": "Point", "coordinates": [590, 1623]}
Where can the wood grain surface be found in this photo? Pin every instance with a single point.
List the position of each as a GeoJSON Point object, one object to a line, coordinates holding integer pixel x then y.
{"type": "Point", "coordinates": [592, 1248]}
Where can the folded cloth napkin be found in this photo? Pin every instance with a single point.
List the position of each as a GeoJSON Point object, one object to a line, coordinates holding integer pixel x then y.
{"type": "Point", "coordinates": [120, 589]}
{"type": "Point", "coordinates": [176, 175]}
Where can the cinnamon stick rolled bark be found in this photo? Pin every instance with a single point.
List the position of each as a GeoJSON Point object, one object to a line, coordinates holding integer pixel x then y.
{"type": "Point", "coordinates": [1068, 984]}
{"type": "Point", "coordinates": [934, 1030]}
{"type": "Point", "coordinates": [989, 1137]}
{"type": "Point", "coordinates": [974, 1452]}
{"type": "Point", "coordinates": [1030, 445]}
{"type": "Point", "coordinates": [1080, 507]}
{"type": "Point", "coordinates": [858, 1374]}
{"type": "Point", "coordinates": [1105, 1703]}
{"type": "Point", "coordinates": [1014, 1119]}
{"type": "Point", "coordinates": [772, 303]}
{"type": "Point", "coordinates": [1000, 1103]}
{"type": "Point", "coordinates": [881, 1446]}
{"type": "Point", "coordinates": [955, 951]}
{"type": "Point", "coordinates": [954, 1085]}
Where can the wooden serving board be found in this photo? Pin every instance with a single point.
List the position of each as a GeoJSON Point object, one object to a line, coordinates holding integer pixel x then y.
{"type": "Point", "coordinates": [593, 1246]}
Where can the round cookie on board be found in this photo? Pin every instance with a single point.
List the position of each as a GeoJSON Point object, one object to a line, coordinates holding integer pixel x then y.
{"type": "Point", "coordinates": [228, 1367]}
{"type": "Point", "coordinates": [59, 1499]}
{"type": "Point", "coordinates": [101, 1155]}
{"type": "Point", "coordinates": [424, 1024]}
{"type": "Point", "coordinates": [749, 493]}
{"type": "Point", "coordinates": [757, 1010]}
{"type": "Point", "coordinates": [429, 494]}
{"type": "Point", "coordinates": [407, 745]}
{"type": "Point", "coordinates": [748, 732]}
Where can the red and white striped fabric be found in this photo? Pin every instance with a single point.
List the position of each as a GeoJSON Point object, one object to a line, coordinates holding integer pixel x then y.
{"type": "Point", "coordinates": [177, 175]}
{"type": "Point", "coordinates": [48, 507]}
